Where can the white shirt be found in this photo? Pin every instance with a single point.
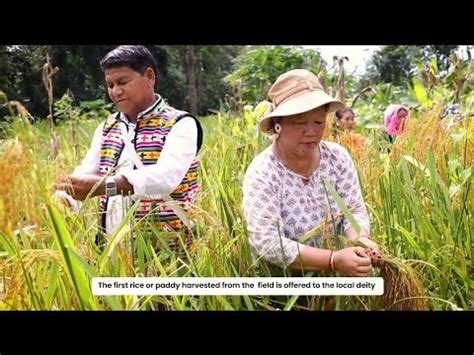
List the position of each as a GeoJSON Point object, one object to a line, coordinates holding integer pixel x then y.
{"type": "Point", "coordinates": [152, 181]}
{"type": "Point", "coordinates": [279, 208]}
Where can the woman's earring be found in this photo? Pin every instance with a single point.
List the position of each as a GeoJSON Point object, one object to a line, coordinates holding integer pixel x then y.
{"type": "Point", "coordinates": [277, 128]}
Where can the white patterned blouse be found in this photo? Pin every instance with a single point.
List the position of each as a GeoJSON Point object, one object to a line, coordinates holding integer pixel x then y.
{"type": "Point", "coordinates": [279, 207]}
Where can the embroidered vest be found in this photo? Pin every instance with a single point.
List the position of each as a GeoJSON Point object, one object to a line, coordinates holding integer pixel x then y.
{"type": "Point", "coordinates": [150, 137]}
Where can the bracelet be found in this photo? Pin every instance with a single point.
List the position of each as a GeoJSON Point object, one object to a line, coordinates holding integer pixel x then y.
{"type": "Point", "coordinates": [364, 235]}
{"type": "Point", "coordinates": [332, 261]}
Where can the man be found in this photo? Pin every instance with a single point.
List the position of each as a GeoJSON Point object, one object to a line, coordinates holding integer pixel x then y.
{"type": "Point", "coordinates": [147, 152]}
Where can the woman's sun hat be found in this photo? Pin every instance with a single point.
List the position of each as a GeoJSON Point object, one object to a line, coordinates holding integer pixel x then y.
{"type": "Point", "coordinates": [294, 92]}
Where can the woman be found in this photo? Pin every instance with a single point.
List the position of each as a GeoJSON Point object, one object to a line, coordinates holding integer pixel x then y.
{"type": "Point", "coordinates": [344, 132]}
{"type": "Point", "coordinates": [345, 119]}
{"type": "Point", "coordinates": [284, 194]}
{"type": "Point", "coordinates": [395, 117]}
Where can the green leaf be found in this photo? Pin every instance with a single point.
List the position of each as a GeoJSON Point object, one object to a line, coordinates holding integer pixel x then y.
{"type": "Point", "coordinates": [342, 206]}
{"type": "Point", "coordinates": [434, 65]}
{"type": "Point", "coordinates": [122, 230]}
{"type": "Point", "coordinates": [75, 273]}
{"type": "Point", "coordinates": [411, 241]}
{"type": "Point", "coordinates": [53, 284]}
{"type": "Point", "coordinates": [291, 302]}
{"type": "Point", "coordinates": [248, 302]}
{"type": "Point", "coordinates": [420, 93]}
{"type": "Point", "coordinates": [459, 135]}
{"type": "Point", "coordinates": [465, 174]}
{"type": "Point", "coordinates": [407, 178]}
{"type": "Point", "coordinates": [416, 163]}
{"type": "Point", "coordinates": [453, 190]}
{"type": "Point", "coordinates": [116, 239]}
{"type": "Point", "coordinates": [453, 165]}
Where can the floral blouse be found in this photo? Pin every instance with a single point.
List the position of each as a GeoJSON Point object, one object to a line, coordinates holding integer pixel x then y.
{"type": "Point", "coordinates": [279, 207]}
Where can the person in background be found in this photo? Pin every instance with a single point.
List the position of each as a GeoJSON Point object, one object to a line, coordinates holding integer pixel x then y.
{"type": "Point", "coordinates": [395, 117]}
{"type": "Point", "coordinates": [344, 125]}
{"type": "Point", "coordinates": [345, 119]}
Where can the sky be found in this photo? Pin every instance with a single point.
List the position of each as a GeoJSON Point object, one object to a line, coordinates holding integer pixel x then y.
{"type": "Point", "coordinates": [358, 56]}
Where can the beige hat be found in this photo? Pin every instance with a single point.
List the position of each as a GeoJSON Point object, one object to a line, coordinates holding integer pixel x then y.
{"type": "Point", "coordinates": [295, 92]}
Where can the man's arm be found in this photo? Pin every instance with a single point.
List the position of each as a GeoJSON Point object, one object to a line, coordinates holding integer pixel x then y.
{"type": "Point", "coordinates": [78, 187]}
{"type": "Point", "coordinates": [89, 166]}
{"type": "Point", "coordinates": [157, 179]}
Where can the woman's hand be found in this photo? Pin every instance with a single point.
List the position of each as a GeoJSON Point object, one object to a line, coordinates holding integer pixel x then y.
{"type": "Point", "coordinates": [353, 261]}
{"type": "Point", "coordinates": [373, 251]}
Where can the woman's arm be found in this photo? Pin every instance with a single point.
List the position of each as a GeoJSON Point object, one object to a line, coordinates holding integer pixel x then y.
{"type": "Point", "coordinates": [353, 261]}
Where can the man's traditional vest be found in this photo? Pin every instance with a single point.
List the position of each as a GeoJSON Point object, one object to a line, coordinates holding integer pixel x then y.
{"type": "Point", "coordinates": [150, 137]}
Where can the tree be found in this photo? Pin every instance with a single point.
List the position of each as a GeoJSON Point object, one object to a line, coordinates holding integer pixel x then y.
{"type": "Point", "coordinates": [257, 68]}
{"type": "Point", "coordinates": [200, 71]}
{"type": "Point", "coordinates": [79, 72]}
{"type": "Point", "coordinates": [191, 85]}
{"type": "Point", "coordinates": [442, 54]}
{"type": "Point", "coordinates": [213, 64]}
{"type": "Point", "coordinates": [171, 80]}
{"type": "Point", "coordinates": [397, 64]}
{"type": "Point", "coordinates": [391, 64]}
{"type": "Point", "coordinates": [16, 80]}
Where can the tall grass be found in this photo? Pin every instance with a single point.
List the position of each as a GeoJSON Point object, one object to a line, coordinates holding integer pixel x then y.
{"type": "Point", "coordinates": [419, 195]}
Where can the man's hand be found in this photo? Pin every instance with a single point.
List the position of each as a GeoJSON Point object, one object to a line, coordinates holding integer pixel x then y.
{"type": "Point", "coordinates": [64, 201]}
{"type": "Point", "coordinates": [80, 186]}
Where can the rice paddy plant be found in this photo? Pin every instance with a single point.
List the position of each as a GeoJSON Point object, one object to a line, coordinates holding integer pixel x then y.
{"type": "Point", "coordinates": [419, 195]}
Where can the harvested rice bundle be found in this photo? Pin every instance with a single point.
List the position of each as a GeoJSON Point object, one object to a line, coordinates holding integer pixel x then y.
{"type": "Point", "coordinates": [403, 288]}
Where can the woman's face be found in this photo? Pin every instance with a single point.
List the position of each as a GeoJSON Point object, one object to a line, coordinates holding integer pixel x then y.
{"type": "Point", "coordinates": [402, 114]}
{"type": "Point", "coordinates": [346, 122]}
{"type": "Point", "coordinates": [300, 134]}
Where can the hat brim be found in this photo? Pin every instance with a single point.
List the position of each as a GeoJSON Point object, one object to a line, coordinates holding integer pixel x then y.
{"type": "Point", "coordinates": [300, 104]}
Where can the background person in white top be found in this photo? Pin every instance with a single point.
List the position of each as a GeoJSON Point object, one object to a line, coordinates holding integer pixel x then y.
{"type": "Point", "coordinates": [147, 150]}
{"type": "Point", "coordinates": [283, 193]}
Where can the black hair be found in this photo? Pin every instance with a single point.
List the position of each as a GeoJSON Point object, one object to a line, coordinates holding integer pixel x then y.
{"type": "Point", "coordinates": [341, 112]}
{"type": "Point", "coordinates": [138, 58]}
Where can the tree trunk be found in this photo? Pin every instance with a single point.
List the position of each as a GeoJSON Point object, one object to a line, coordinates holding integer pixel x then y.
{"type": "Point", "coordinates": [340, 80]}
{"type": "Point", "coordinates": [191, 84]}
{"type": "Point", "coordinates": [48, 72]}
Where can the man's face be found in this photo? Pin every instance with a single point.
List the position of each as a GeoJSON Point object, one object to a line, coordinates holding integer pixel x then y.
{"type": "Point", "coordinates": [131, 91]}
